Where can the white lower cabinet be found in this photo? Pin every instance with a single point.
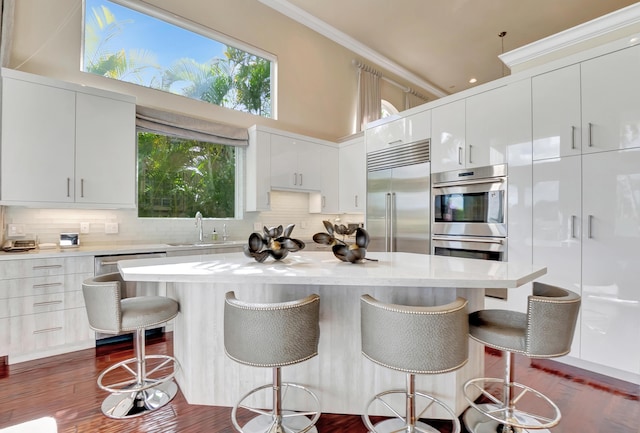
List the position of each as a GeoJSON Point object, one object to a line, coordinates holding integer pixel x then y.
{"type": "Point", "coordinates": [586, 230]}
{"type": "Point", "coordinates": [42, 309]}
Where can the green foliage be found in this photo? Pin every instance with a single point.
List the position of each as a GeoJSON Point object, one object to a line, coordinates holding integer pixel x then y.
{"type": "Point", "coordinates": [240, 81]}
{"type": "Point", "coordinates": [177, 178]}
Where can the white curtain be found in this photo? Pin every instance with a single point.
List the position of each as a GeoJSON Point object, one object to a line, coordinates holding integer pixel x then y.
{"type": "Point", "coordinates": [6, 31]}
{"type": "Point", "coordinates": [413, 99]}
{"type": "Point", "coordinates": [369, 104]}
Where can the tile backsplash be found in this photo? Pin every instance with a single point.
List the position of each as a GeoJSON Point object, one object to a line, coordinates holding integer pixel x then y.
{"type": "Point", "coordinates": [47, 224]}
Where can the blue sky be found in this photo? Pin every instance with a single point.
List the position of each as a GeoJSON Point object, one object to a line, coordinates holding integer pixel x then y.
{"type": "Point", "coordinates": [166, 41]}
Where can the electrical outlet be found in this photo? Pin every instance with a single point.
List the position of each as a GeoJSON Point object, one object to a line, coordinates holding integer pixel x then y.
{"type": "Point", "coordinates": [257, 227]}
{"type": "Point", "coordinates": [15, 229]}
{"type": "Point", "coordinates": [111, 228]}
{"type": "Point", "coordinates": [84, 228]}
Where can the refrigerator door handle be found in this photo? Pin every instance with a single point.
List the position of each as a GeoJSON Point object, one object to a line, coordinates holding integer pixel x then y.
{"type": "Point", "coordinates": [387, 206]}
{"type": "Point", "coordinates": [392, 227]}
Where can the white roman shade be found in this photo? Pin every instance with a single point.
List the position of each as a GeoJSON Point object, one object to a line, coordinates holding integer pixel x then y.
{"type": "Point", "coordinates": [190, 128]}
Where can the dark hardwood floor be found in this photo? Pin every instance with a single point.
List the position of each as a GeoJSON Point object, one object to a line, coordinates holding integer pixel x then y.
{"type": "Point", "coordinates": [64, 387]}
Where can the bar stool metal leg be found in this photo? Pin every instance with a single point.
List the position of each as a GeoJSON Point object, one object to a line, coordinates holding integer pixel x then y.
{"type": "Point", "coordinates": [281, 418]}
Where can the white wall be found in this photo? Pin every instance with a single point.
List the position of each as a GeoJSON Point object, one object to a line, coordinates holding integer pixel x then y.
{"type": "Point", "coordinates": [47, 224]}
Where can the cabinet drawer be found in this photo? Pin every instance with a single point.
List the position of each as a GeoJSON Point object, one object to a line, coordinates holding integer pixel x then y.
{"type": "Point", "coordinates": [45, 267]}
{"type": "Point", "coordinates": [34, 286]}
{"type": "Point", "coordinates": [46, 330]}
{"type": "Point", "coordinates": [27, 305]}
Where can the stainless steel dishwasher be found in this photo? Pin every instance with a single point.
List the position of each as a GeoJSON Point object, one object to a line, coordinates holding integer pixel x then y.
{"type": "Point", "coordinates": [109, 263]}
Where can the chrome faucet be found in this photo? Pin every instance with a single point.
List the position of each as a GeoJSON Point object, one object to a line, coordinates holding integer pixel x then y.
{"type": "Point", "coordinates": [199, 225]}
{"type": "Point", "coordinates": [225, 236]}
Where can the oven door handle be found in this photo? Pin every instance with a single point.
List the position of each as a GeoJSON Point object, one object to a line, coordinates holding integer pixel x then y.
{"type": "Point", "coordinates": [470, 182]}
{"type": "Point", "coordinates": [468, 239]}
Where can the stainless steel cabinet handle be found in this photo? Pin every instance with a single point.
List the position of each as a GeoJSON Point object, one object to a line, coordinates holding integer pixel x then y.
{"type": "Point", "coordinates": [68, 187]}
{"type": "Point", "coordinates": [295, 178]}
{"type": "Point", "coordinates": [324, 201]}
{"type": "Point", "coordinates": [572, 226]}
{"type": "Point", "coordinates": [590, 134]}
{"type": "Point", "coordinates": [82, 188]}
{"type": "Point", "coordinates": [590, 227]}
{"type": "Point", "coordinates": [459, 155]}
{"type": "Point", "coordinates": [301, 182]}
{"type": "Point", "coordinates": [45, 285]}
{"type": "Point", "coordinates": [356, 200]}
{"type": "Point", "coordinates": [46, 267]}
{"type": "Point", "coordinates": [470, 147]}
{"type": "Point", "coordinates": [42, 331]}
{"type": "Point", "coordinates": [573, 137]}
{"type": "Point", "coordinates": [44, 304]}
{"type": "Point", "coordinates": [396, 141]}
{"type": "Point", "coordinates": [268, 199]}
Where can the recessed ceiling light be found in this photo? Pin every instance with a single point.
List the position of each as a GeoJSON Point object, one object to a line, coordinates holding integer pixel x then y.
{"type": "Point", "coordinates": [473, 81]}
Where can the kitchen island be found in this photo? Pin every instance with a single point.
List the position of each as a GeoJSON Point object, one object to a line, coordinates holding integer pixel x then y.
{"type": "Point", "coordinates": [343, 379]}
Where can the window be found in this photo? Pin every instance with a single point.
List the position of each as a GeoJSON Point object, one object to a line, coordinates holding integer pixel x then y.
{"type": "Point", "coordinates": [178, 177]}
{"type": "Point", "coordinates": [154, 49]}
{"type": "Point", "coordinates": [387, 109]}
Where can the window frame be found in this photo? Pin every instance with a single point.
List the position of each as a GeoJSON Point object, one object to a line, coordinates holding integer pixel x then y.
{"type": "Point", "coordinates": [177, 20]}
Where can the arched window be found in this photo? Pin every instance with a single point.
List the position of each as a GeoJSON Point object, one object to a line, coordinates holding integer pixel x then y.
{"type": "Point", "coordinates": [387, 109]}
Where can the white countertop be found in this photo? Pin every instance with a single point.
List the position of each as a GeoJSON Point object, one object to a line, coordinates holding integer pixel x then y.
{"type": "Point", "coordinates": [112, 249]}
{"type": "Point", "coordinates": [322, 268]}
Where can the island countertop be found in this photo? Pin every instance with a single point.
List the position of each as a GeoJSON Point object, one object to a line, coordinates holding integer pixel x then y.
{"type": "Point", "coordinates": [342, 378]}
{"type": "Point", "coordinates": [322, 268]}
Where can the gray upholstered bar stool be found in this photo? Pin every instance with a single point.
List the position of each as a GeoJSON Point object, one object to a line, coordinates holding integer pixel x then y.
{"type": "Point", "coordinates": [414, 340]}
{"type": "Point", "coordinates": [136, 388]}
{"type": "Point", "coordinates": [274, 335]}
{"type": "Point", "coordinates": [544, 331]}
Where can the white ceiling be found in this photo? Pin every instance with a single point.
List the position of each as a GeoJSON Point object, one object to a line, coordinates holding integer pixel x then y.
{"type": "Point", "coordinates": [444, 43]}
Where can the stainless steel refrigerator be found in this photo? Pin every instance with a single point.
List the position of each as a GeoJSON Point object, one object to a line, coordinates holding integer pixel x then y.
{"type": "Point", "coordinates": [399, 198]}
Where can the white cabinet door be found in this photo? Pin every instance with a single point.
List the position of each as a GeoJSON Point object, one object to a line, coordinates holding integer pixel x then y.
{"type": "Point", "coordinates": [384, 135]}
{"type": "Point", "coordinates": [557, 212]}
{"type": "Point", "coordinates": [417, 127]}
{"type": "Point", "coordinates": [258, 175]}
{"type": "Point", "coordinates": [556, 113]}
{"type": "Point", "coordinates": [295, 164]}
{"type": "Point", "coordinates": [485, 132]}
{"type": "Point", "coordinates": [105, 151]}
{"type": "Point", "coordinates": [38, 137]}
{"type": "Point", "coordinates": [611, 235]}
{"type": "Point", "coordinates": [353, 177]}
{"type": "Point", "coordinates": [327, 200]}
{"type": "Point", "coordinates": [610, 101]}
{"type": "Point", "coordinates": [448, 137]}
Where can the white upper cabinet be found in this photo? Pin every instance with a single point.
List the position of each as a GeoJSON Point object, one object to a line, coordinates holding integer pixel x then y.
{"type": "Point", "coordinates": [295, 164]}
{"type": "Point", "coordinates": [38, 142]}
{"type": "Point", "coordinates": [105, 151]}
{"type": "Point", "coordinates": [410, 129]}
{"type": "Point", "coordinates": [353, 175]}
{"type": "Point", "coordinates": [327, 200]}
{"type": "Point", "coordinates": [611, 101]}
{"type": "Point", "coordinates": [258, 173]}
{"type": "Point", "coordinates": [556, 113]}
{"type": "Point", "coordinates": [65, 145]}
{"type": "Point", "coordinates": [448, 137]}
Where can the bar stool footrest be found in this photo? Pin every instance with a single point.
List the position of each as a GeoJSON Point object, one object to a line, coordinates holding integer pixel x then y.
{"type": "Point", "coordinates": [134, 383]}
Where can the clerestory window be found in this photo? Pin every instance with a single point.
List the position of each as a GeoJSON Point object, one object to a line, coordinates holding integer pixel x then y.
{"type": "Point", "coordinates": [133, 42]}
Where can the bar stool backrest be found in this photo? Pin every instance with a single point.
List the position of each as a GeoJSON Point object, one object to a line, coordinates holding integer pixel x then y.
{"type": "Point", "coordinates": [415, 339]}
{"type": "Point", "coordinates": [102, 295]}
{"type": "Point", "coordinates": [271, 334]}
{"type": "Point", "coordinates": [552, 313]}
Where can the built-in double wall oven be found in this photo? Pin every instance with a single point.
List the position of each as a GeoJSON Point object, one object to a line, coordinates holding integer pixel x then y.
{"type": "Point", "coordinates": [469, 215]}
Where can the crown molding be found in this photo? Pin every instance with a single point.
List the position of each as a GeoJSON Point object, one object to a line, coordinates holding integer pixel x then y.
{"type": "Point", "coordinates": [319, 26]}
{"type": "Point", "coordinates": [598, 27]}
